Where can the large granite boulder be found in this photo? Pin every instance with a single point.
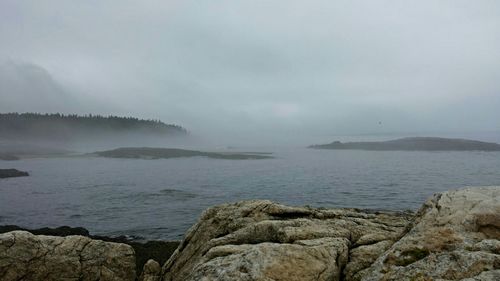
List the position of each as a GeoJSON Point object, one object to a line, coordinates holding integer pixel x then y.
{"type": "Point", "coordinates": [262, 240]}
{"type": "Point", "coordinates": [144, 251]}
{"type": "Point", "coordinates": [455, 236]}
{"type": "Point", "coordinates": [24, 256]}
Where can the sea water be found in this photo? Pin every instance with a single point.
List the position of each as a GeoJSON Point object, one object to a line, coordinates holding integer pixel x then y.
{"type": "Point", "coordinates": [161, 199]}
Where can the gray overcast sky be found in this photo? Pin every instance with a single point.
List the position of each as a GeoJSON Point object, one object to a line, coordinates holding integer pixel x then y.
{"type": "Point", "coordinates": [258, 68]}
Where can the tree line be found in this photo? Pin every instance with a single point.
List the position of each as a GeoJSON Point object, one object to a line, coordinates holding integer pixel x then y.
{"type": "Point", "coordinates": [18, 124]}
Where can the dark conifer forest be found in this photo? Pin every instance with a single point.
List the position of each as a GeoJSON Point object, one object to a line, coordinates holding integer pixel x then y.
{"type": "Point", "coordinates": [61, 126]}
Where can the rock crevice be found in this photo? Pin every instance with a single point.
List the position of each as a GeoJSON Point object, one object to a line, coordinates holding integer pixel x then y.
{"type": "Point", "coordinates": [262, 240]}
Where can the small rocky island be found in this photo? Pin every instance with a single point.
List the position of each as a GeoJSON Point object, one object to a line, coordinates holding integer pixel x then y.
{"type": "Point", "coordinates": [8, 157]}
{"type": "Point", "coordinates": [414, 144]}
{"type": "Point", "coordinates": [165, 153]}
{"type": "Point", "coordinates": [12, 173]}
{"type": "Point", "coordinates": [454, 236]}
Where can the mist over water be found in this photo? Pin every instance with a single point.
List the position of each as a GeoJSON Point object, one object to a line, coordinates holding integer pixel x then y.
{"type": "Point", "coordinates": [258, 71]}
{"type": "Point", "coordinates": [161, 199]}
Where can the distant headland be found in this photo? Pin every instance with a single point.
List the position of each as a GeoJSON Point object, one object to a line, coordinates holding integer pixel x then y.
{"type": "Point", "coordinates": [414, 144]}
{"type": "Point", "coordinates": [36, 126]}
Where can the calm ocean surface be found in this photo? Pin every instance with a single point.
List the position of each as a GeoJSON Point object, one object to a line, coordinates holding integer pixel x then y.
{"type": "Point", "coordinates": [161, 199]}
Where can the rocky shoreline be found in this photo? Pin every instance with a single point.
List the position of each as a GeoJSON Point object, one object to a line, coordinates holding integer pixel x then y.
{"type": "Point", "coordinates": [454, 236]}
{"type": "Point", "coordinates": [157, 250]}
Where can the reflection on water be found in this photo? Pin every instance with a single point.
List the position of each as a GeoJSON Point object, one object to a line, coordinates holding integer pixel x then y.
{"type": "Point", "coordinates": [161, 199]}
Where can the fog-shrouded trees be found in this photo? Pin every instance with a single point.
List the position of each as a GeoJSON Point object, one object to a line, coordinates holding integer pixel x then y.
{"type": "Point", "coordinates": [61, 126]}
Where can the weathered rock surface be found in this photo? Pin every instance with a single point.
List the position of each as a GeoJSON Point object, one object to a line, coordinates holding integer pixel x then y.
{"type": "Point", "coordinates": [24, 256]}
{"type": "Point", "coordinates": [151, 271]}
{"type": "Point", "coordinates": [144, 251]}
{"type": "Point", "coordinates": [262, 240]}
{"type": "Point", "coordinates": [455, 237]}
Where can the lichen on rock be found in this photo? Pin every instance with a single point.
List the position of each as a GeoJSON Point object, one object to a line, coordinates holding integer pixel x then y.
{"type": "Point", "coordinates": [455, 236]}
{"type": "Point", "coordinates": [24, 256]}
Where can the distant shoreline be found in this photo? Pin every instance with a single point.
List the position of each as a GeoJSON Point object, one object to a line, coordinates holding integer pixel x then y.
{"type": "Point", "coordinates": [414, 144]}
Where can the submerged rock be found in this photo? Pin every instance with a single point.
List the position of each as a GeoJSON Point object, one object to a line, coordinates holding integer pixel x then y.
{"type": "Point", "coordinates": [24, 256]}
{"type": "Point", "coordinates": [262, 240]}
{"type": "Point", "coordinates": [58, 231]}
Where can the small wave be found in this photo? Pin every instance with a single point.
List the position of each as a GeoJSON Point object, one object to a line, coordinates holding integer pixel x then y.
{"type": "Point", "coordinates": [76, 216]}
{"type": "Point", "coordinates": [168, 194]}
{"type": "Point", "coordinates": [36, 192]}
{"type": "Point", "coordinates": [177, 193]}
{"type": "Point", "coordinates": [392, 184]}
{"type": "Point", "coordinates": [104, 185]}
{"type": "Point", "coordinates": [346, 192]}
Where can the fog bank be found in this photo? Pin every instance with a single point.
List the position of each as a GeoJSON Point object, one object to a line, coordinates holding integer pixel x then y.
{"type": "Point", "coordinates": [260, 72]}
